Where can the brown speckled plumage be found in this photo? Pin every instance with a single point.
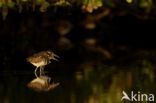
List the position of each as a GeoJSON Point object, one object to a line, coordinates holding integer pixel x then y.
{"type": "Point", "coordinates": [49, 55]}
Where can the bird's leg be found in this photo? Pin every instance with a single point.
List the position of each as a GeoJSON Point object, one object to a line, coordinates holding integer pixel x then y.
{"type": "Point", "coordinates": [35, 72]}
{"type": "Point", "coordinates": [42, 71]}
{"type": "Point", "coordinates": [49, 79]}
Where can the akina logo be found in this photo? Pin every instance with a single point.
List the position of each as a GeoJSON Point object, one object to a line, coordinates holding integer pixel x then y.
{"type": "Point", "coordinates": [137, 96]}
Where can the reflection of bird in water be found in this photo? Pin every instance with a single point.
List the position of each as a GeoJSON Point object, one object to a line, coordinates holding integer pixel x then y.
{"type": "Point", "coordinates": [41, 59]}
{"type": "Point", "coordinates": [42, 84]}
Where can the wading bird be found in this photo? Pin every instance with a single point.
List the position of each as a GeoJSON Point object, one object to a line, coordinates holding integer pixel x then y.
{"type": "Point", "coordinates": [41, 59]}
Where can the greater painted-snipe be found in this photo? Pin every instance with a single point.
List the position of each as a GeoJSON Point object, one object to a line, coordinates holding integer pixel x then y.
{"type": "Point", "coordinates": [41, 59]}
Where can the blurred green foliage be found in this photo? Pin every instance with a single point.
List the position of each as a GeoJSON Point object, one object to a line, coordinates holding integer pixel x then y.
{"type": "Point", "coordinates": [147, 6]}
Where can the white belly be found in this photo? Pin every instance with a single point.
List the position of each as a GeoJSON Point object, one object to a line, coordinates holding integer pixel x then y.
{"type": "Point", "coordinates": [42, 63]}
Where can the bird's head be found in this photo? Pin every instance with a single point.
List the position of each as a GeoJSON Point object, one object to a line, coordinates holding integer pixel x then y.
{"type": "Point", "coordinates": [52, 55]}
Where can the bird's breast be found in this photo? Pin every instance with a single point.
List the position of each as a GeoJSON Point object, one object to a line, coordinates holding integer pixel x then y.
{"type": "Point", "coordinates": [38, 64]}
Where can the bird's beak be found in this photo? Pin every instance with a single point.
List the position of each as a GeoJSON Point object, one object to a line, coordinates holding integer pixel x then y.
{"type": "Point", "coordinates": [55, 57]}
